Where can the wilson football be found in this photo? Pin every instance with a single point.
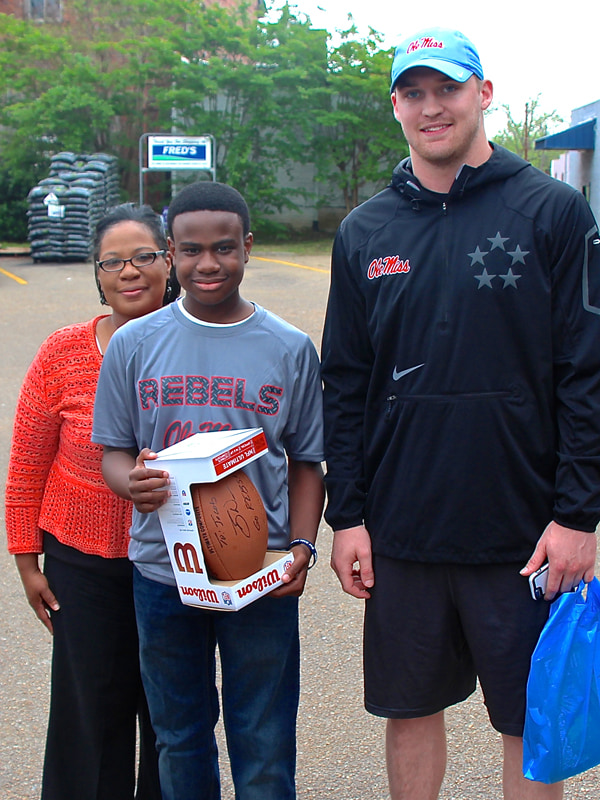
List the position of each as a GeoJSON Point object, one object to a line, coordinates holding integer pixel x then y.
{"type": "Point", "coordinates": [232, 524]}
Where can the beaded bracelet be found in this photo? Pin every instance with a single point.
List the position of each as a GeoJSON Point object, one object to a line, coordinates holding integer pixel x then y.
{"type": "Point", "coordinates": [311, 547]}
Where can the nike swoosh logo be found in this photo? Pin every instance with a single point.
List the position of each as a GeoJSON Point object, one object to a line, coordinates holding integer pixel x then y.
{"type": "Point", "coordinates": [397, 375]}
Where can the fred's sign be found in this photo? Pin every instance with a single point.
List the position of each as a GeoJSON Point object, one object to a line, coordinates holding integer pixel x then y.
{"type": "Point", "coordinates": [179, 152]}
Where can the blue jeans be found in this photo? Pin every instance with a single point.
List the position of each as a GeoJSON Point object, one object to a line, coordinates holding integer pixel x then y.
{"type": "Point", "coordinates": [260, 665]}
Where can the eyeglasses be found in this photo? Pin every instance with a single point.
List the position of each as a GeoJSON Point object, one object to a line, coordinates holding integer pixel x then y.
{"type": "Point", "coordinates": [139, 260]}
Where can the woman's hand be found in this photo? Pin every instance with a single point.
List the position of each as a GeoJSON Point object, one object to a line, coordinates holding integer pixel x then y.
{"type": "Point", "coordinates": [39, 594]}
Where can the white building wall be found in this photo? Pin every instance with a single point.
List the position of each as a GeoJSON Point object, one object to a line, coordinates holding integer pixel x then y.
{"type": "Point", "coordinates": [581, 168]}
{"type": "Point", "coordinates": [319, 207]}
{"type": "Point", "coordinates": [558, 168]}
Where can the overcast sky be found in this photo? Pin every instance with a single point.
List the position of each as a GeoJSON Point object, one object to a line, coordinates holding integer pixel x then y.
{"type": "Point", "coordinates": [526, 48]}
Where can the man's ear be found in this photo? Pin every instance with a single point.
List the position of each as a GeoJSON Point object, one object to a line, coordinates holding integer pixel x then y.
{"type": "Point", "coordinates": [394, 100]}
{"type": "Point", "coordinates": [487, 94]}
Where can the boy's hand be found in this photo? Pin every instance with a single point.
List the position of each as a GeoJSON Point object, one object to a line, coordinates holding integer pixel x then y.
{"type": "Point", "coordinates": [148, 488]}
{"type": "Point", "coordinates": [294, 578]}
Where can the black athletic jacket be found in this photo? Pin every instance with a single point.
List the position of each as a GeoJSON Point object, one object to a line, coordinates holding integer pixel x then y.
{"type": "Point", "coordinates": [461, 362]}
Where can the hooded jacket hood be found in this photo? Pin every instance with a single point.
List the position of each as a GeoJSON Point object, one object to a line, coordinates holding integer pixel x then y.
{"type": "Point", "coordinates": [502, 164]}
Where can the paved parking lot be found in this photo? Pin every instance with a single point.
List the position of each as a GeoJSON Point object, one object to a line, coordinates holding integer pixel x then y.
{"type": "Point", "coordinates": [340, 745]}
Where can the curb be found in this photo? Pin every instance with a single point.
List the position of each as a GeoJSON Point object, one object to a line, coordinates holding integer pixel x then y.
{"type": "Point", "coordinates": [15, 252]}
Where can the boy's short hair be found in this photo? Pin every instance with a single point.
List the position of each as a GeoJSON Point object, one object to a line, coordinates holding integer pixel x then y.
{"type": "Point", "coordinates": [208, 196]}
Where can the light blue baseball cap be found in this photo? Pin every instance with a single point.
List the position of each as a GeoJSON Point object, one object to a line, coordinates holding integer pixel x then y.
{"type": "Point", "coordinates": [443, 49]}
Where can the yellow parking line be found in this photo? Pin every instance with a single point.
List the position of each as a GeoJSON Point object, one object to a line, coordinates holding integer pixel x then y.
{"type": "Point", "coordinates": [14, 277]}
{"type": "Point", "coordinates": [290, 264]}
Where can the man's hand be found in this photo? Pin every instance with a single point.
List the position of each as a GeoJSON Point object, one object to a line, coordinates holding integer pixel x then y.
{"type": "Point", "coordinates": [571, 555]}
{"type": "Point", "coordinates": [351, 560]}
{"type": "Point", "coordinates": [148, 488]}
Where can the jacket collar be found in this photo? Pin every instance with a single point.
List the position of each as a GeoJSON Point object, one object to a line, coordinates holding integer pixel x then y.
{"type": "Point", "coordinates": [500, 165]}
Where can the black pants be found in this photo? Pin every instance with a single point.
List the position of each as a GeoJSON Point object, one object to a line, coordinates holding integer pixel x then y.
{"type": "Point", "coordinates": [96, 690]}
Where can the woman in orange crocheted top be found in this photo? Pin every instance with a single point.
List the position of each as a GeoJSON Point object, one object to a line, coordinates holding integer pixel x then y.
{"type": "Point", "coordinates": [58, 504]}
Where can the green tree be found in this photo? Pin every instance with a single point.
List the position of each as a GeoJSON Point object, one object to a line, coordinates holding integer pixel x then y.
{"type": "Point", "coordinates": [358, 140]}
{"type": "Point", "coordinates": [13, 208]}
{"type": "Point", "coordinates": [519, 135]}
{"type": "Point", "coordinates": [114, 73]}
{"type": "Point", "coordinates": [93, 84]}
{"type": "Point", "coordinates": [270, 93]}
{"type": "Point", "coordinates": [253, 94]}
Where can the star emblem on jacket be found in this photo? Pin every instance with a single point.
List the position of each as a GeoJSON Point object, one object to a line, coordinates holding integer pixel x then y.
{"type": "Point", "coordinates": [497, 271]}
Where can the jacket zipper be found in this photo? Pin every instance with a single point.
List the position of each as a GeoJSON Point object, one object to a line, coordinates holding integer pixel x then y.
{"type": "Point", "coordinates": [390, 404]}
{"type": "Point", "coordinates": [446, 275]}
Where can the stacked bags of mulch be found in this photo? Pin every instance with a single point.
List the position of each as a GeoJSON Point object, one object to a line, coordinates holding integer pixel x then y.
{"type": "Point", "coordinates": [65, 207]}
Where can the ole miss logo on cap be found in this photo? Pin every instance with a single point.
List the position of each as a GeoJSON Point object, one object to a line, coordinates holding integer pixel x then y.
{"type": "Point", "coordinates": [421, 44]}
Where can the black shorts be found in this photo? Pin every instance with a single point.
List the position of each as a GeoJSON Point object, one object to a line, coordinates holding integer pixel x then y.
{"type": "Point", "coordinates": [432, 629]}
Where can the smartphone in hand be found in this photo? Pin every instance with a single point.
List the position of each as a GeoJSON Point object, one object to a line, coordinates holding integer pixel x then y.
{"type": "Point", "coordinates": [538, 581]}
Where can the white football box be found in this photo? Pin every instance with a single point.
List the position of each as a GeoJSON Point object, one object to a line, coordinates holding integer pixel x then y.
{"type": "Point", "coordinates": [205, 458]}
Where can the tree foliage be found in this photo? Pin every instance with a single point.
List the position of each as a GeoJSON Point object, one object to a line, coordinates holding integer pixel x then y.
{"type": "Point", "coordinates": [357, 139]}
{"type": "Point", "coordinates": [254, 97]}
{"type": "Point", "coordinates": [519, 135]}
{"type": "Point", "coordinates": [274, 94]}
{"type": "Point", "coordinates": [13, 208]}
{"type": "Point", "coordinates": [90, 85]}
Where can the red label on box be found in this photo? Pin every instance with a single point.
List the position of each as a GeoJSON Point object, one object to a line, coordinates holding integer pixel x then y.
{"type": "Point", "coordinates": [239, 454]}
{"type": "Point", "coordinates": [264, 582]}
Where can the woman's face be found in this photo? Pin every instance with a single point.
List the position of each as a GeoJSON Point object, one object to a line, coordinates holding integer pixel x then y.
{"type": "Point", "coordinates": [133, 291]}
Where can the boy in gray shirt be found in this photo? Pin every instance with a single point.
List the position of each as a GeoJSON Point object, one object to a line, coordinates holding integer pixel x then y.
{"type": "Point", "coordinates": [215, 361]}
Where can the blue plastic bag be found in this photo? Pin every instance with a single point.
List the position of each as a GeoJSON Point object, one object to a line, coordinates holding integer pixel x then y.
{"type": "Point", "coordinates": [562, 722]}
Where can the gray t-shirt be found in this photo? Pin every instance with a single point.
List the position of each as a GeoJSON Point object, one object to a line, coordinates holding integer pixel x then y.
{"type": "Point", "coordinates": [166, 377]}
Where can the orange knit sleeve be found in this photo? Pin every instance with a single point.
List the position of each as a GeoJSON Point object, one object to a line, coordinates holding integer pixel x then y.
{"type": "Point", "coordinates": [34, 446]}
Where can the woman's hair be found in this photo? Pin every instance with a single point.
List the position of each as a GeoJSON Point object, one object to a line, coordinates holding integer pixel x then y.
{"type": "Point", "coordinates": [143, 215]}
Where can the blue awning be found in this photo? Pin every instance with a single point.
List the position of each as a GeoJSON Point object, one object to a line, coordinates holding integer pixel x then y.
{"type": "Point", "coordinates": [579, 137]}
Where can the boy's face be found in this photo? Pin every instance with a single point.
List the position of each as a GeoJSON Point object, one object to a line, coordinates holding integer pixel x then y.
{"type": "Point", "coordinates": [210, 251]}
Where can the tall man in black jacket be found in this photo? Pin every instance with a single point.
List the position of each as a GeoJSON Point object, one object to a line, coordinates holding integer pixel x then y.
{"type": "Point", "coordinates": [461, 361]}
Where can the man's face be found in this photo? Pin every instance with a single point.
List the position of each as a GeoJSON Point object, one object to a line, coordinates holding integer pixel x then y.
{"type": "Point", "coordinates": [442, 119]}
